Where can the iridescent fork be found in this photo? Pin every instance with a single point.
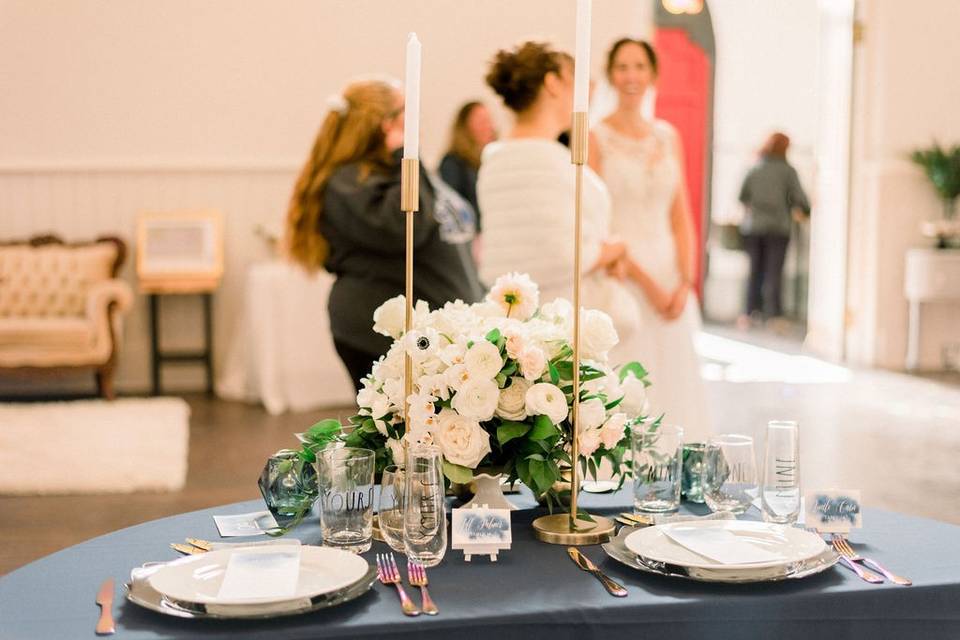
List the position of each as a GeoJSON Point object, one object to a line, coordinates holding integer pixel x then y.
{"type": "Point", "coordinates": [417, 577]}
{"type": "Point", "coordinates": [389, 574]}
{"type": "Point", "coordinates": [843, 548]}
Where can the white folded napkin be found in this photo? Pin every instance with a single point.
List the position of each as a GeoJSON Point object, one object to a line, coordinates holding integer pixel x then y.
{"type": "Point", "coordinates": [669, 518]}
{"type": "Point", "coordinates": [141, 588]}
{"type": "Point", "coordinates": [260, 572]}
{"type": "Point", "coordinates": [720, 545]}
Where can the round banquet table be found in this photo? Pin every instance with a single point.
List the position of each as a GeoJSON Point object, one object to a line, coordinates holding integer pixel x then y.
{"type": "Point", "coordinates": [532, 591]}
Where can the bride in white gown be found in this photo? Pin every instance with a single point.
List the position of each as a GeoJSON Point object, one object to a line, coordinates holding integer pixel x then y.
{"type": "Point", "coordinates": [641, 162]}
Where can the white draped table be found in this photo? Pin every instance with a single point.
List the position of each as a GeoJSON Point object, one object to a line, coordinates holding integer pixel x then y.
{"type": "Point", "coordinates": [283, 353]}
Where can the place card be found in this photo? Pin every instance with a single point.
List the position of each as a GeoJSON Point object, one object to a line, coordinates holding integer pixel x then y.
{"type": "Point", "coordinates": [833, 511]}
{"type": "Point", "coordinates": [245, 524]}
{"type": "Point", "coordinates": [261, 573]}
{"type": "Point", "coordinates": [481, 531]}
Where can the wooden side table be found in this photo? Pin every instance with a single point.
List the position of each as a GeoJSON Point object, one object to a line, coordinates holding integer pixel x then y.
{"type": "Point", "coordinates": [158, 357]}
{"type": "Point", "coordinates": [932, 275]}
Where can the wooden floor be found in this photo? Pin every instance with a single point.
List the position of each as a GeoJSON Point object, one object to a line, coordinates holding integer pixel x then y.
{"type": "Point", "coordinates": [229, 443]}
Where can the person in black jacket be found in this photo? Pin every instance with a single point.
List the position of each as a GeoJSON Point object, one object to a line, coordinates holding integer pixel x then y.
{"type": "Point", "coordinates": [472, 130]}
{"type": "Point", "coordinates": [345, 217]}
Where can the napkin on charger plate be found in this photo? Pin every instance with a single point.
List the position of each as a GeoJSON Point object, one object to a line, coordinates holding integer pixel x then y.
{"type": "Point", "coordinates": [669, 518]}
{"type": "Point", "coordinates": [141, 588]}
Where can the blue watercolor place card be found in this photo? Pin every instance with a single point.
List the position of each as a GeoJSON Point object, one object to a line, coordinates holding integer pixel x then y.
{"type": "Point", "coordinates": [834, 511]}
{"type": "Point", "coordinates": [481, 531]}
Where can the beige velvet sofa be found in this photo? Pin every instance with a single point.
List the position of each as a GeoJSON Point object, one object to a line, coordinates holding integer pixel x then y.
{"type": "Point", "coordinates": [62, 307]}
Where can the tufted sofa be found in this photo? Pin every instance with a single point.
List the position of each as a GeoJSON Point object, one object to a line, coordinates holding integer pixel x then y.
{"type": "Point", "coordinates": [61, 306]}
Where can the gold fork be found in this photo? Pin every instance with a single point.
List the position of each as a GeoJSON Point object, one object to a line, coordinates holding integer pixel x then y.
{"type": "Point", "coordinates": [842, 545]}
{"type": "Point", "coordinates": [417, 577]}
{"type": "Point", "coordinates": [389, 574]}
{"type": "Point", "coordinates": [865, 575]}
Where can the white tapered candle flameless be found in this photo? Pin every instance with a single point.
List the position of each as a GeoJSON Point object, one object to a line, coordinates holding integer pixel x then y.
{"type": "Point", "coordinates": [411, 118]}
{"type": "Point", "coordinates": [581, 74]}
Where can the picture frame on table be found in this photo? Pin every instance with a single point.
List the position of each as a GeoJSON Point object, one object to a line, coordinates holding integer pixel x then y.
{"type": "Point", "coordinates": [180, 251]}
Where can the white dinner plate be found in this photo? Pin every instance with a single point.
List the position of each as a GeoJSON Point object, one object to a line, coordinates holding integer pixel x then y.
{"type": "Point", "coordinates": [792, 544]}
{"type": "Point", "coordinates": [198, 578]}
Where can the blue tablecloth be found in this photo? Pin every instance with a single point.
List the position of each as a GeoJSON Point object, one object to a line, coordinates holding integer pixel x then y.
{"type": "Point", "coordinates": [534, 591]}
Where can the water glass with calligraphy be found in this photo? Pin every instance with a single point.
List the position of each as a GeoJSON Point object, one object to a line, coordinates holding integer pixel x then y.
{"type": "Point", "coordinates": [780, 491]}
{"type": "Point", "coordinates": [345, 478]}
{"type": "Point", "coordinates": [424, 517]}
{"type": "Point", "coordinates": [390, 510]}
{"type": "Point", "coordinates": [729, 473]}
{"type": "Point", "coordinates": [657, 463]}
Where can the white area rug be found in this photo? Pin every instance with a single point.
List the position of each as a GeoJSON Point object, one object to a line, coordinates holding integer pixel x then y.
{"type": "Point", "coordinates": [94, 446]}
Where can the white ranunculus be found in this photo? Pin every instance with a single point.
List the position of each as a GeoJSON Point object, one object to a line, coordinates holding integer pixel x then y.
{"type": "Point", "coordinates": [513, 400]}
{"type": "Point", "coordinates": [461, 439]}
{"type": "Point", "coordinates": [389, 317]}
{"type": "Point", "coordinates": [635, 401]}
{"type": "Point", "coordinates": [533, 363]}
{"type": "Point", "coordinates": [477, 398]}
{"type": "Point", "coordinates": [545, 399]}
{"type": "Point", "coordinates": [483, 360]}
{"type": "Point", "coordinates": [613, 430]}
{"type": "Point", "coordinates": [589, 441]}
{"type": "Point", "coordinates": [597, 335]}
{"type": "Point", "coordinates": [516, 294]}
{"type": "Point", "coordinates": [592, 414]}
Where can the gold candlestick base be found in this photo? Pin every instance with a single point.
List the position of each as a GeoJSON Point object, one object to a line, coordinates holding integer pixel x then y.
{"type": "Point", "coordinates": [556, 529]}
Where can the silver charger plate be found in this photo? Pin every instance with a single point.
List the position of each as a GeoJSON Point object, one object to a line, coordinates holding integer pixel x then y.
{"type": "Point", "coordinates": [142, 594]}
{"type": "Point", "coordinates": [618, 550]}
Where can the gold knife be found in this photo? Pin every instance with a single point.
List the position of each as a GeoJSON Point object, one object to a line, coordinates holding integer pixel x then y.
{"type": "Point", "coordinates": [584, 563]}
{"type": "Point", "coordinates": [105, 600]}
{"type": "Point", "coordinates": [200, 544]}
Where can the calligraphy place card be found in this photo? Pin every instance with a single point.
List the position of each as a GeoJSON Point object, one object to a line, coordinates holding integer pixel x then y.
{"type": "Point", "coordinates": [834, 511]}
{"type": "Point", "coordinates": [481, 531]}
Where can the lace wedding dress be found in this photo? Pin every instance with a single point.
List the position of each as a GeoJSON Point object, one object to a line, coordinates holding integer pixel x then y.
{"type": "Point", "coordinates": [643, 176]}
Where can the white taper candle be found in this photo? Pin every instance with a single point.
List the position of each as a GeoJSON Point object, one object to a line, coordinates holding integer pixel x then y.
{"type": "Point", "coordinates": [581, 75]}
{"type": "Point", "coordinates": [411, 118]}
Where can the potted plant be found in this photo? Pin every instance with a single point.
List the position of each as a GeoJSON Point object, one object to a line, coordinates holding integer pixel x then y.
{"type": "Point", "coordinates": [942, 167]}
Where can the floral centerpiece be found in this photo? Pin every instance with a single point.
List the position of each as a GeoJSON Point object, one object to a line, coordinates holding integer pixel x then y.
{"type": "Point", "coordinates": [492, 387]}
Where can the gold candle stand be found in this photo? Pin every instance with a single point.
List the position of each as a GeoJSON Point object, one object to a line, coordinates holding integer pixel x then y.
{"type": "Point", "coordinates": [562, 528]}
{"type": "Point", "coordinates": [409, 204]}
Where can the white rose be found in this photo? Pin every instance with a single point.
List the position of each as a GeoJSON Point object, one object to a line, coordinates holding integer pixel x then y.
{"type": "Point", "coordinates": [592, 414]}
{"type": "Point", "coordinates": [589, 441]}
{"type": "Point", "coordinates": [597, 335]}
{"type": "Point", "coordinates": [513, 399]}
{"type": "Point", "coordinates": [462, 439]}
{"type": "Point", "coordinates": [613, 430]}
{"type": "Point", "coordinates": [545, 399]}
{"type": "Point", "coordinates": [483, 360]}
{"type": "Point", "coordinates": [559, 312]}
{"type": "Point", "coordinates": [533, 362]}
{"type": "Point", "coordinates": [477, 398]}
{"type": "Point", "coordinates": [389, 317]}
{"type": "Point", "coordinates": [635, 401]}
{"type": "Point", "coordinates": [516, 294]}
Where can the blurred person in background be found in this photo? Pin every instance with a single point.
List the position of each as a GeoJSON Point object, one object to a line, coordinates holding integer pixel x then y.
{"type": "Point", "coordinates": [472, 130]}
{"type": "Point", "coordinates": [345, 217]}
{"type": "Point", "coordinates": [773, 197]}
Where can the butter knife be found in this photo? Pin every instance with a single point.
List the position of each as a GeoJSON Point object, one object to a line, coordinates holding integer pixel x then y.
{"type": "Point", "coordinates": [105, 600]}
{"type": "Point", "coordinates": [585, 563]}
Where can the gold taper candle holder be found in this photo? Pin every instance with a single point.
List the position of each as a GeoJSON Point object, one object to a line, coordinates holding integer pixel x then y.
{"type": "Point", "coordinates": [564, 528]}
{"type": "Point", "coordinates": [409, 204]}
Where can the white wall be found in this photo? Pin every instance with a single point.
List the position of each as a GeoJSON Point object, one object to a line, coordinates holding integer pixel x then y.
{"type": "Point", "coordinates": [906, 92]}
{"type": "Point", "coordinates": [112, 107]}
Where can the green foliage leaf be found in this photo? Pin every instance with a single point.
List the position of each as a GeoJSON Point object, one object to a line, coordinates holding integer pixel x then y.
{"type": "Point", "coordinates": [457, 473]}
{"type": "Point", "coordinates": [543, 429]}
{"type": "Point", "coordinates": [583, 515]}
{"type": "Point", "coordinates": [493, 336]}
{"type": "Point", "coordinates": [635, 368]}
{"type": "Point", "coordinates": [511, 430]}
{"type": "Point", "coordinates": [554, 373]}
